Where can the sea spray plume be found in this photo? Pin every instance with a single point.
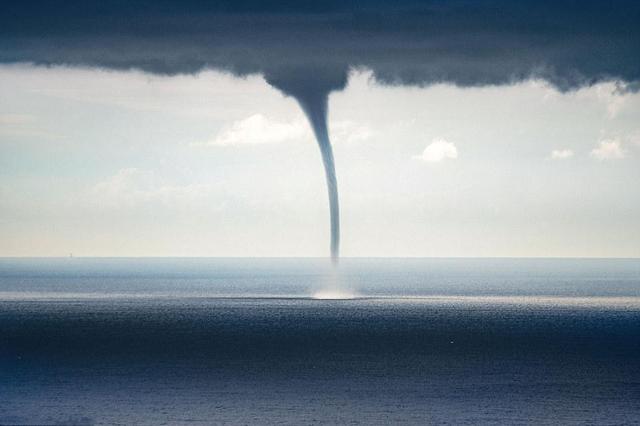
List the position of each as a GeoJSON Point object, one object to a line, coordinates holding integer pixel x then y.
{"type": "Point", "coordinates": [311, 88]}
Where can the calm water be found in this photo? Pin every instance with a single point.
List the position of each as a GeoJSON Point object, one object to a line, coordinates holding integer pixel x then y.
{"type": "Point", "coordinates": [214, 341]}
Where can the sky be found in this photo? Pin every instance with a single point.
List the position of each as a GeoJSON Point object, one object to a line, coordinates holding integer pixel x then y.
{"type": "Point", "coordinates": [458, 128]}
{"type": "Point", "coordinates": [103, 162]}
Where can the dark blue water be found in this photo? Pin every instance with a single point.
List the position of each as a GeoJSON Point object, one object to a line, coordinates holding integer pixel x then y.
{"type": "Point", "coordinates": [202, 341]}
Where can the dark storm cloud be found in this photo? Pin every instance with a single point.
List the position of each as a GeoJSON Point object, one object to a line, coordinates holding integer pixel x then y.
{"type": "Point", "coordinates": [468, 43]}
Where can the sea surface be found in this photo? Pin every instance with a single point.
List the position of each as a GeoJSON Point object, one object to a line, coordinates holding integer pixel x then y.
{"type": "Point", "coordinates": [293, 341]}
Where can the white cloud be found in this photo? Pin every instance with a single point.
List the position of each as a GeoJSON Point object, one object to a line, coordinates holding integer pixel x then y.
{"type": "Point", "coordinates": [126, 185]}
{"type": "Point", "coordinates": [24, 125]}
{"type": "Point", "coordinates": [258, 129]}
{"type": "Point", "coordinates": [132, 187]}
{"type": "Point", "coordinates": [608, 149]}
{"type": "Point", "coordinates": [438, 150]}
{"type": "Point", "coordinates": [347, 131]}
{"type": "Point", "coordinates": [613, 97]}
{"type": "Point", "coordinates": [15, 119]}
{"type": "Point", "coordinates": [561, 154]}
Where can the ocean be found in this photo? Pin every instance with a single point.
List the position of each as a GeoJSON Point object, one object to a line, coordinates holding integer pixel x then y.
{"type": "Point", "coordinates": [157, 341]}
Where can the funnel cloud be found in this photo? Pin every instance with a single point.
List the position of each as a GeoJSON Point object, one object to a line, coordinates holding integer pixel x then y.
{"type": "Point", "coordinates": [313, 95]}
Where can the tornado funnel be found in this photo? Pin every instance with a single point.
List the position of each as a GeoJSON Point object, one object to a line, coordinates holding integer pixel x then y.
{"type": "Point", "coordinates": [313, 96]}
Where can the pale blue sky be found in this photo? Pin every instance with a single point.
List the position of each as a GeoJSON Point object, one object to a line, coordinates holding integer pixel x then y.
{"type": "Point", "coordinates": [103, 163]}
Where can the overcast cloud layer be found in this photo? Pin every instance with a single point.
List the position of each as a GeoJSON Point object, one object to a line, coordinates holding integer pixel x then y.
{"type": "Point", "coordinates": [468, 43]}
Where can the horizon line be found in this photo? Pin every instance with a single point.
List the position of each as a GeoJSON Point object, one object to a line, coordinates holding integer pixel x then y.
{"type": "Point", "coordinates": [322, 257]}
